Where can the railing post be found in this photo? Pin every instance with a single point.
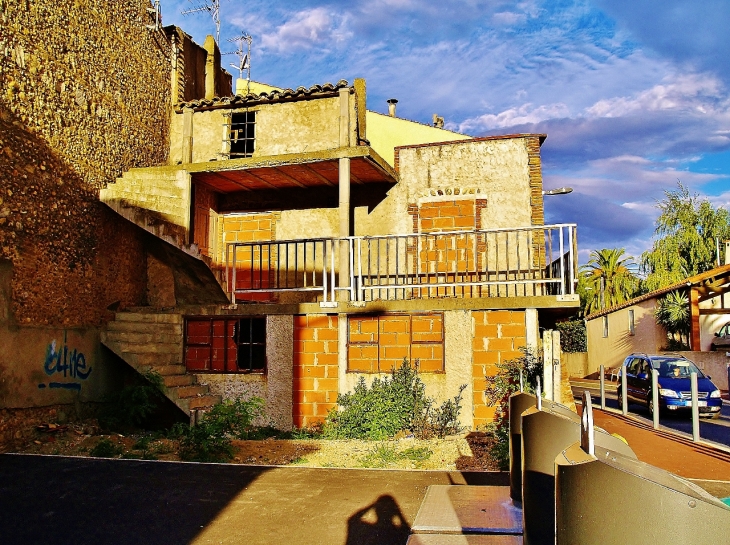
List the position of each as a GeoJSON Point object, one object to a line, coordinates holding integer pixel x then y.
{"type": "Point", "coordinates": [624, 393]}
{"type": "Point", "coordinates": [655, 397]}
{"type": "Point", "coordinates": [570, 260]}
{"type": "Point", "coordinates": [695, 407]}
{"type": "Point", "coordinates": [602, 376]}
{"type": "Point", "coordinates": [233, 287]}
{"type": "Point", "coordinates": [562, 263]}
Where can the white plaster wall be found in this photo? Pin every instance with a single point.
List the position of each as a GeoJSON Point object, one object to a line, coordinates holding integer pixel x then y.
{"type": "Point", "coordinates": [275, 388]}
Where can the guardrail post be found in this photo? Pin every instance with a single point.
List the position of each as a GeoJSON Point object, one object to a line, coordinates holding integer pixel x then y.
{"type": "Point", "coordinates": [547, 366]}
{"type": "Point", "coordinates": [624, 393]}
{"type": "Point", "coordinates": [695, 407]}
{"type": "Point", "coordinates": [655, 397]}
{"type": "Point", "coordinates": [602, 375]}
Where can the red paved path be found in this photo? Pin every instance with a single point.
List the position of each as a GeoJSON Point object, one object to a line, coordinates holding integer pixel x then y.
{"type": "Point", "coordinates": [666, 450]}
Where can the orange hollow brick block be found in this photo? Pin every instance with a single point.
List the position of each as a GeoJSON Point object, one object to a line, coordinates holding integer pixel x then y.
{"type": "Point", "coordinates": [490, 357]}
{"type": "Point", "coordinates": [330, 384]}
{"type": "Point", "coordinates": [304, 383]}
{"type": "Point", "coordinates": [485, 412]}
{"type": "Point", "coordinates": [330, 334]}
{"type": "Point", "coordinates": [302, 359]}
{"type": "Point", "coordinates": [315, 397]}
{"type": "Point", "coordinates": [501, 344]}
{"type": "Point", "coordinates": [315, 371]}
{"type": "Point", "coordinates": [499, 317]}
{"type": "Point", "coordinates": [314, 347]}
{"type": "Point", "coordinates": [329, 360]}
{"type": "Point", "coordinates": [490, 330]}
{"type": "Point", "coordinates": [513, 330]}
{"type": "Point", "coordinates": [323, 409]}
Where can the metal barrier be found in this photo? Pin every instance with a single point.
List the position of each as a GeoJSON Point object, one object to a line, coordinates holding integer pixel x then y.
{"type": "Point", "coordinates": [518, 403]}
{"type": "Point", "coordinates": [514, 262]}
{"type": "Point", "coordinates": [546, 432]}
{"type": "Point", "coordinates": [605, 498]}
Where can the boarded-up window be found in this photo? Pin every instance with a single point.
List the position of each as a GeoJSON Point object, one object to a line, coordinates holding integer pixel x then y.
{"type": "Point", "coordinates": [225, 345]}
{"type": "Point", "coordinates": [377, 344]}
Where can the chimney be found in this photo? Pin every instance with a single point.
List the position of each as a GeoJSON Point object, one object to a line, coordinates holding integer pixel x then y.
{"type": "Point", "coordinates": [391, 106]}
{"type": "Point", "coordinates": [438, 122]}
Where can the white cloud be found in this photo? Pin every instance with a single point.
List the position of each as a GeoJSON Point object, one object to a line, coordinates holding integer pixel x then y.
{"type": "Point", "coordinates": [307, 29]}
{"type": "Point", "coordinates": [521, 115]}
{"type": "Point", "coordinates": [696, 93]}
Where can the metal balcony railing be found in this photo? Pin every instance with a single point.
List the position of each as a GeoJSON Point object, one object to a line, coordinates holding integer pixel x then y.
{"type": "Point", "coordinates": [517, 262]}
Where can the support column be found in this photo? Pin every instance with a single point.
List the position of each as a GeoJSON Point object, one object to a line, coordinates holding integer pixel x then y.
{"type": "Point", "coordinates": [532, 333]}
{"type": "Point", "coordinates": [694, 312]}
{"type": "Point", "coordinates": [187, 143]}
{"type": "Point", "coordinates": [344, 195]}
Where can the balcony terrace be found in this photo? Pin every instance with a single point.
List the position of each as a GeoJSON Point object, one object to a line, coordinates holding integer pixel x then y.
{"type": "Point", "coordinates": [513, 262]}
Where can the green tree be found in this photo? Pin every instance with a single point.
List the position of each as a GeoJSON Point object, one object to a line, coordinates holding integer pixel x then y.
{"type": "Point", "coordinates": [672, 313]}
{"type": "Point", "coordinates": [608, 279]}
{"type": "Point", "coordinates": [685, 245]}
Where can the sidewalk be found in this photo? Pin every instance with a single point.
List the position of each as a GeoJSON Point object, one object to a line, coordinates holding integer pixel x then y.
{"type": "Point", "coordinates": [671, 452]}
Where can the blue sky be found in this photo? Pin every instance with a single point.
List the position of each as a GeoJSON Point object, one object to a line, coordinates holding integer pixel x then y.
{"type": "Point", "coordinates": [631, 93]}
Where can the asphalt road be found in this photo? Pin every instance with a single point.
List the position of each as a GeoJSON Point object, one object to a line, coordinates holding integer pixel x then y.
{"type": "Point", "coordinates": [54, 500]}
{"type": "Point", "coordinates": [715, 430]}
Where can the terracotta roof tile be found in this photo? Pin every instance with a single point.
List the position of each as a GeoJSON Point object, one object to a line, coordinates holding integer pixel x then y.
{"type": "Point", "coordinates": [274, 96]}
{"type": "Point", "coordinates": [689, 281]}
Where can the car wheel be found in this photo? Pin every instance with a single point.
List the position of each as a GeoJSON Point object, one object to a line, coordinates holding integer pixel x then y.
{"type": "Point", "coordinates": [713, 348]}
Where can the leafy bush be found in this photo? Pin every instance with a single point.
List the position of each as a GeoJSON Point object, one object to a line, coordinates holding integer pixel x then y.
{"type": "Point", "coordinates": [397, 402]}
{"type": "Point", "coordinates": [134, 403]}
{"type": "Point", "coordinates": [572, 336]}
{"type": "Point", "coordinates": [106, 449]}
{"type": "Point", "coordinates": [210, 439]}
{"type": "Point", "coordinates": [499, 389]}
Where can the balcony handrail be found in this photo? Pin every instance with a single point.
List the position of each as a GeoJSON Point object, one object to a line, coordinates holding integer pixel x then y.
{"type": "Point", "coordinates": [427, 263]}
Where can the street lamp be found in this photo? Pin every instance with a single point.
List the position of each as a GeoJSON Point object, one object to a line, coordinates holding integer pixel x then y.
{"type": "Point", "coordinates": [558, 191]}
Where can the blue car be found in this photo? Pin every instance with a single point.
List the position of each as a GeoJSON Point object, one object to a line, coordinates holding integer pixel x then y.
{"type": "Point", "coordinates": [674, 384]}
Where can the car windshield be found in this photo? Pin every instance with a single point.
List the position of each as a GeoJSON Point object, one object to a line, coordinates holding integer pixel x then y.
{"type": "Point", "coordinates": [675, 368]}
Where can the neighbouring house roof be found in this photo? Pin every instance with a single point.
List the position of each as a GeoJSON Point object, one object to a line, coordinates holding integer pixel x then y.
{"type": "Point", "coordinates": [708, 282]}
{"type": "Point", "coordinates": [540, 136]}
{"type": "Point", "coordinates": [284, 95]}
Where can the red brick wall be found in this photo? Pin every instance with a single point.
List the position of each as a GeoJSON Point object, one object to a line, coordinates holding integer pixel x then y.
{"type": "Point", "coordinates": [315, 383]}
{"type": "Point", "coordinates": [498, 335]}
{"type": "Point", "coordinates": [377, 344]}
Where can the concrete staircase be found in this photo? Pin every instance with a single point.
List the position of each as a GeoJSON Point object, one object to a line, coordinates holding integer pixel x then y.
{"type": "Point", "coordinates": [149, 341]}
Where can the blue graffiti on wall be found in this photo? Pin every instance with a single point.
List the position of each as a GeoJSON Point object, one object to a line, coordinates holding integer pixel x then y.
{"type": "Point", "coordinates": [69, 363]}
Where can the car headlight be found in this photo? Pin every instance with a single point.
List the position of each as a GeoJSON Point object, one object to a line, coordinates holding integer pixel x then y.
{"type": "Point", "coordinates": [667, 393]}
{"type": "Point", "coordinates": [716, 393]}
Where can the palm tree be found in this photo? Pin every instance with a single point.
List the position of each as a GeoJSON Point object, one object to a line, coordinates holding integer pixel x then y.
{"type": "Point", "coordinates": [609, 278]}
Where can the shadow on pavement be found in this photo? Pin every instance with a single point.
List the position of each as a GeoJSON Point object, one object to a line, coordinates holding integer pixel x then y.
{"type": "Point", "coordinates": [380, 523]}
{"type": "Point", "coordinates": [54, 500]}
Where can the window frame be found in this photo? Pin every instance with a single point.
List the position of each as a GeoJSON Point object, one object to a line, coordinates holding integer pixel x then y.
{"type": "Point", "coordinates": [442, 342]}
{"type": "Point", "coordinates": [210, 346]}
{"type": "Point", "coordinates": [249, 123]}
{"type": "Point", "coordinates": [632, 322]}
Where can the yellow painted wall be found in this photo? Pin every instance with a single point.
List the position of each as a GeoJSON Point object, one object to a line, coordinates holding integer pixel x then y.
{"type": "Point", "coordinates": [612, 350]}
{"type": "Point", "coordinates": [385, 133]}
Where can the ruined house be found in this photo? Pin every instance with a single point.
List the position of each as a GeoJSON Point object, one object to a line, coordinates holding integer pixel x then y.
{"type": "Point", "coordinates": [289, 241]}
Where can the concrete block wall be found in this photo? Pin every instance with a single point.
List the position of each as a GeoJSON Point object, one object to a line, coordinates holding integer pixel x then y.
{"type": "Point", "coordinates": [315, 364]}
{"type": "Point", "coordinates": [497, 337]}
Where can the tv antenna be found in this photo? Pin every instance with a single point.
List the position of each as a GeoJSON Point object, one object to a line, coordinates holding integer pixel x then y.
{"type": "Point", "coordinates": [212, 7]}
{"type": "Point", "coordinates": [154, 10]}
{"type": "Point", "coordinates": [244, 57]}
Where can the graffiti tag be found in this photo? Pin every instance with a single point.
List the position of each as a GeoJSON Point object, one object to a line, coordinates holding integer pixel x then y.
{"type": "Point", "coordinates": [61, 360]}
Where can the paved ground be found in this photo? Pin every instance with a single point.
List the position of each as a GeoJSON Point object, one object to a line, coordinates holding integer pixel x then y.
{"type": "Point", "coordinates": [54, 500]}
{"type": "Point", "coordinates": [713, 430]}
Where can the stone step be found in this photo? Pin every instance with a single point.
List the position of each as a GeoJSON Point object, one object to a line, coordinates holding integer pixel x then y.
{"type": "Point", "coordinates": [151, 348]}
{"type": "Point", "coordinates": [174, 380]}
{"type": "Point", "coordinates": [150, 359]}
{"type": "Point", "coordinates": [183, 392]}
{"type": "Point", "coordinates": [143, 338]}
{"type": "Point", "coordinates": [145, 327]}
{"type": "Point", "coordinates": [149, 317]}
{"type": "Point", "coordinates": [166, 370]}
